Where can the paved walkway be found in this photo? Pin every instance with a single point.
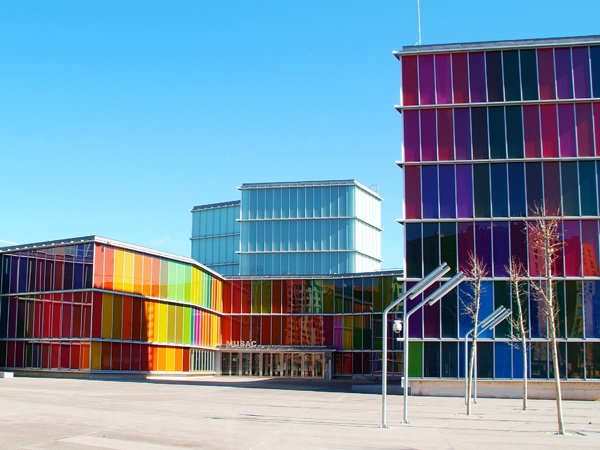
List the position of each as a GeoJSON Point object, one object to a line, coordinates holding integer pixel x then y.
{"type": "Point", "coordinates": [222, 413]}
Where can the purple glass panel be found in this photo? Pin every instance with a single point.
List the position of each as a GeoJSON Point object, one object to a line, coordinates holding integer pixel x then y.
{"type": "Point", "coordinates": [464, 190]}
{"type": "Point", "coordinates": [596, 114]}
{"type": "Point", "coordinates": [447, 192]}
{"type": "Point", "coordinates": [462, 134]}
{"type": "Point", "coordinates": [572, 248]}
{"type": "Point", "coordinates": [443, 79]}
{"type": "Point", "coordinates": [445, 135]}
{"type": "Point", "coordinates": [531, 128]}
{"type": "Point", "coordinates": [477, 77]}
{"type": "Point", "coordinates": [412, 143]}
{"type": "Point", "coordinates": [410, 85]}
{"type": "Point", "coordinates": [581, 72]}
{"type": "Point", "coordinates": [465, 244]}
{"type": "Point", "coordinates": [428, 135]}
{"type": "Point", "coordinates": [592, 308]}
{"type": "Point", "coordinates": [431, 316]}
{"type": "Point", "coordinates": [412, 189]}
{"type": "Point", "coordinates": [501, 247]}
{"type": "Point", "coordinates": [546, 73]}
{"type": "Point", "coordinates": [460, 78]}
{"type": "Point", "coordinates": [566, 130]}
{"type": "Point", "coordinates": [426, 80]}
{"type": "Point", "coordinates": [589, 247]}
{"type": "Point", "coordinates": [416, 320]}
{"type": "Point", "coordinates": [518, 242]}
{"type": "Point", "coordinates": [564, 77]}
{"type": "Point", "coordinates": [585, 138]}
{"type": "Point", "coordinates": [429, 191]}
{"type": "Point", "coordinates": [483, 242]}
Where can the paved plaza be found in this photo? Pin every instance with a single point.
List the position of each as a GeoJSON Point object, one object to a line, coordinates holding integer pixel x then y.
{"type": "Point", "coordinates": [243, 413]}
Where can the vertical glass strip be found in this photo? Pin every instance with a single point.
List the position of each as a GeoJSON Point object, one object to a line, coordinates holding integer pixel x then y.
{"type": "Point", "coordinates": [412, 142]}
{"type": "Point", "coordinates": [462, 134]}
{"type": "Point", "coordinates": [466, 239]}
{"type": "Point", "coordinates": [564, 74]}
{"type": "Point", "coordinates": [585, 138]}
{"type": "Point", "coordinates": [501, 248]}
{"type": "Point", "coordinates": [414, 250]}
{"type": "Point", "coordinates": [570, 192]}
{"type": "Point", "coordinates": [595, 63]}
{"type": "Point", "coordinates": [493, 65]}
{"type": "Point", "coordinates": [448, 245]}
{"type": "Point", "coordinates": [429, 189]}
{"type": "Point", "coordinates": [546, 73]}
{"type": "Point", "coordinates": [549, 131]}
{"type": "Point", "coordinates": [588, 189]}
{"type": "Point", "coordinates": [512, 82]}
{"type": "Point", "coordinates": [533, 172]}
{"type": "Point", "coordinates": [479, 127]}
{"type": "Point", "coordinates": [481, 184]}
{"type": "Point", "coordinates": [428, 135]}
{"type": "Point", "coordinates": [514, 131]}
{"type": "Point", "coordinates": [529, 82]}
{"type": "Point", "coordinates": [445, 134]}
{"type": "Point", "coordinates": [431, 246]}
{"type": "Point", "coordinates": [581, 72]}
{"type": "Point", "coordinates": [410, 84]}
{"type": "Point", "coordinates": [518, 242]}
{"type": "Point", "coordinates": [589, 247]}
{"type": "Point", "coordinates": [552, 185]}
{"type": "Point", "coordinates": [596, 114]}
{"type": "Point", "coordinates": [443, 79]}
{"type": "Point", "coordinates": [426, 80]}
{"type": "Point", "coordinates": [464, 190]}
{"type": "Point", "coordinates": [531, 126]}
{"type": "Point", "coordinates": [516, 190]}
{"type": "Point", "coordinates": [447, 192]}
{"type": "Point", "coordinates": [477, 77]}
{"type": "Point", "coordinates": [566, 130]}
{"type": "Point", "coordinates": [497, 132]}
{"type": "Point", "coordinates": [483, 243]}
{"type": "Point", "coordinates": [572, 248]}
{"type": "Point", "coordinates": [460, 77]}
{"type": "Point", "coordinates": [500, 190]}
{"type": "Point", "coordinates": [412, 189]}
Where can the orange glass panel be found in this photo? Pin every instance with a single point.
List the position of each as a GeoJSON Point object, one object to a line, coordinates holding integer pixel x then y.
{"type": "Point", "coordinates": [147, 276]}
{"type": "Point", "coordinates": [109, 267]}
{"type": "Point", "coordinates": [99, 252]}
{"type": "Point", "coordinates": [155, 277]}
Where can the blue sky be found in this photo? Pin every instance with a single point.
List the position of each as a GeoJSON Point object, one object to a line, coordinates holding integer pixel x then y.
{"type": "Point", "coordinates": [117, 117]}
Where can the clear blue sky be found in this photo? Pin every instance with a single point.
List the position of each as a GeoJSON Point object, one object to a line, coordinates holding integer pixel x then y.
{"type": "Point", "coordinates": [117, 117]}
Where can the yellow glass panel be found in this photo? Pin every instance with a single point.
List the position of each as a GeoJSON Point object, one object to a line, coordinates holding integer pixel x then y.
{"type": "Point", "coordinates": [119, 266]}
{"type": "Point", "coordinates": [107, 316]}
{"type": "Point", "coordinates": [96, 355]}
{"type": "Point", "coordinates": [170, 359]}
{"type": "Point", "coordinates": [128, 272]}
{"type": "Point", "coordinates": [179, 324]}
{"type": "Point", "coordinates": [163, 317]}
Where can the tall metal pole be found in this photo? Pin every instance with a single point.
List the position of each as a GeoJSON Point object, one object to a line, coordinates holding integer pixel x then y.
{"type": "Point", "coordinates": [405, 364]}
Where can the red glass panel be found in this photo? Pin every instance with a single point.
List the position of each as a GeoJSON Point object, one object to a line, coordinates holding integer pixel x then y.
{"type": "Point", "coordinates": [531, 128]}
{"type": "Point", "coordinates": [412, 142]}
{"type": "Point", "coordinates": [410, 87]}
{"type": "Point", "coordinates": [428, 135]}
{"type": "Point", "coordinates": [412, 189]}
{"type": "Point", "coordinates": [126, 357]}
{"type": "Point", "coordinates": [55, 356]}
{"type": "Point", "coordinates": [227, 293]}
{"type": "Point", "coordinates": [276, 330]}
{"type": "Point", "coordinates": [549, 131]}
{"type": "Point", "coordinates": [276, 297]}
{"type": "Point", "coordinates": [460, 78]}
{"type": "Point", "coordinates": [585, 140]}
{"type": "Point", "coordinates": [572, 248]}
{"type": "Point", "coordinates": [246, 296]}
{"type": "Point", "coordinates": [266, 330]}
{"type": "Point", "coordinates": [546, 73]}
{"type": "Point", "coordinates": [97, 315]}
{"type": "Point", "coordinates": [136, 319]}
{"type": "Point", "coordinates": [75, 356]}
{"type": "Point", "coordinates": [445, 134]}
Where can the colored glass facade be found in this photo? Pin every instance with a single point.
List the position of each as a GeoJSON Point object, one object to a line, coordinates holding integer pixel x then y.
{"type": "Point", "coordinates": [491, 129]}
{"type": "Point", "coordinates": [303, 228]}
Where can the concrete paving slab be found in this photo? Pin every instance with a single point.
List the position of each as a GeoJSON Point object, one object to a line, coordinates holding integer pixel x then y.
{"type": "Point", "coordinates": [245, 413]}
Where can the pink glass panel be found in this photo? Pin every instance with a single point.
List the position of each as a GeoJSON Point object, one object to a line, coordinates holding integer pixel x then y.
{"type": "Point", "coordinates": [445, 134]}
{"type": "Point", "coordinates": [443, 79]}
{"type": "Point", "coordinates": [462, 133]}
{"type": "Point", "coordinates": [412, 189]}
{"type": "Point", "coordinates": [572, 248]}
{"type": "Point", "coordinates": [410, 85]}
{"type": "Point", "coordinates": [585, 139]}
{"type": "Point", "coordinates": [566, 129]}
{"type": "Point", "coordinates": [589, 247]}
{"type": "Point", "coordinates": [412, 143]}
{"type": "Point", "coordinates": [581, 72]}
{"type": "Point", "coordinates": [460, 78]}
{"type": "Point", "coordinates": [531, 128]}
{"type": "Point", "coordinates": [428, 135]}
{"type": "Point", "coordinates": [546, 73]}
{"type": "Point", "coordinates": [564, 74]}
{"type": "Point", "coordinates": [426, 80]}
{"type": "Point", "coordinates": [549, 131]}
{"type": "Point", "coordinates": [477, 77]}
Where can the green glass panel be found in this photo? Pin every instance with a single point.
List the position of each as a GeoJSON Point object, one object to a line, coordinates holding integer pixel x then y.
{"type": "Point", "coordinates": [179, 324]}
{"type": "Point", "coordinates": [502, 298]}
{"type": "Point", "coordinates": [574, 302]}
{"type": "Point", "coordinates": [188, 284]}
{"type": "Point", "coordinates": [448, 245]}
{"type": "Point", "coordinates": [172, 277]}
{"type": "Point", "coordinates": [529, 75]}
{"type": "Point", "coordinates": [317, 290]}
{"type": "Point", "coordinates": [514, 131]}
{"type": "Point", "coordinates": [339, 296]}
{"type": "Point", "coordinates": [449, 315]}
{"type": "Point", "coordinates": [481, 181]}
{"type": "Point", "coordinates": [348, 294]}
{"type": "Point", "coordinates": [524, 306]}
{"type": "Point", "coordinates": [266, 297]}
{"type": "Point", "coordinates": [328, 290]}
{"type": "Point", "coordinates": [431, 359]}
{"type": "Point", "coordinates": [180, 282]}
{"type": "Point", "coordinates": [367, 332]}
{"type": "Point", "coordinates": [497, 134]}
{"type": "Point", "coordinates": [512, 82]}
{"type": "Point", "coordinates": [570, 197]}
{"type": "Point", "coordinates": [415, 359]}
{"type": "Point", "coordinates": [587, 187]}
{"type": "Point", "coordinates": [187, 325]}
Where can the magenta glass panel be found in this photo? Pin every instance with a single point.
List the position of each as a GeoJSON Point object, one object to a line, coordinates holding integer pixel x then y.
{"type": "Point", "coordinates": [447, 194]}
{"type": "Point", "coordinates": [549, 131]}
{"type": "Point", "coordinates": [501, 247]}
{"type": "Point", "coordinates": [426, 80]}
{"type": "Point", "coordinates": [465, 244]}
{"type": "Point", "coordinates": [431, 316]}
{"type": "Point", "coordinates": [585, 138]}
{"type": "Point", "coordinates": [412, 189]}
{"type": "Point", "coordinates": [429, 192]}
{"type": "Point", "coordinates": [445, 134]}
{"type": "Point", "coordinates": [477, 77]}
{"type": "Point", "coordinates": [460, 78]}
{"type": "Point", "coordinates": [589, 247]}
{"type": "Point", "coordinates": [572, 248]}
{"type": "Point", "coordinates": [552, 185]}
{"type": "Point", "coordinates": [596, 112]}
{"type": "Point", "coordinates": [566, 130]}
{"type": "Point", "coordinates": [416, 320]}
{"type": "Point", "coordinates": [462, 134]}
{"type": "Point", "coordinates": [464, 190]}
{"type": "Point", "coordinates": [531, 128]}
{"type": "Point", "coordinates": [564, 77]}
{"type": "Point", "coordinates": [428, 135]}
{"type": "Point", "coordinates": [546, 73]}
{"type": "Point", "coordinates": [581, 72]}
{"type": "Point", "coordinates": [410, 85]}
{"type": "Point", "coordinates": [518, 242]}
{"type": "Point", "coordinates": [483, 243]}
{"type": "Point", "coordinates": [412, 143]}
{"type": "Point", "coordinates": [443, 79]}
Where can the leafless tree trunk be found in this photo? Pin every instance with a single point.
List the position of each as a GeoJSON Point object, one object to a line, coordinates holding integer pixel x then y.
{"type": "Point", "coordinates": [476, 270]}
{"type": "Point", "coordinates": [516, 273]}
{"type": "Point", "coordinates": [546, 243]}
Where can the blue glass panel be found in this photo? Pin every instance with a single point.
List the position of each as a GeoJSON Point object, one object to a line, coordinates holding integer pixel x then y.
{"type": "Point", "coordinates": [499, 190]}
{"type": "Point", "coordinates": [516, 183]}
{"type": "Point", "coordinates": [501, 248]}
{"type": "Point", "coordinates": [431, 246]}
{"type": "Point", "coordinates": [486, 306]}
{"type": "Point", "coordinates": [518, 362]}
{"type": "Point", "coordinates": [591, 298]}
{"type": "Point", "coordinates": [429, 189]}
{"type": "Point", "coordinates": [447, 192]}
{"type": "Point", "coordinates": [587, 188]}
{"type": "Point", "coordinates": [595, 63]}
{"type": "Point", "coordinates": [503, 360]}
{"type": "Point", "coordinates": [464, 321]}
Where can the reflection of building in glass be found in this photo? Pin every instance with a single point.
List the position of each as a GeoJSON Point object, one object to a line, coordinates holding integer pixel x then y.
{"type": "Point", "coordinates": [301, 228]}
{"type": "Point", "coordinates": [491, 129]}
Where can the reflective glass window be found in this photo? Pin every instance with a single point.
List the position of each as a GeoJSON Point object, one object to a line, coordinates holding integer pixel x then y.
{"type": "Point", "coordinates": [514, 131]}
{"type": "Point", "coordinates": [497, 133]}
{"type": "Point", "coordinates": [481, 183]}
{"type": "Point", "coordinates": [501, 247]}
{"type": "Point", "coordinates": [589, 247]}
{"type": "Point", "coordinates": [483, 242]}
{"type": "Point", "coordinates": [493, 64]}
{"type": "Point", "coordinates": [564, 74]}
{"type": "Point", "coordinates": [518, 242]}
{"type": "Point", "coordinates": [516, 189]}
{"type": "Point", "coordinates": [587, 188]}
{"type": "Point", "coordinates": [464, 190]}
{"type": "Point", "coordinates": [479, 126]}
{"type": "Point", "coordinates": [549, 131]}
{"type": "Point", "coordinates": [410, 86]}
{"type": "Point", "coordinates": [546, 73]}
{"type": "Point", "coordinates": [572, 248]}
{"type": "Point", "coordinates": [462, 133]}
{"type": "Point", "coordinates": [499, 190]}
{"type": "Point", "coordinates": [477, 77]}
{"type": "Point", "coordinates": [552, 185]}
{"type": "Point", "coordinates": [575, 360]}
{"type": "Point", "coordinates": [431, 358]}
{"type": "Point", "coordinates": [595, 63]}
{"type": "Point", "coordinates": [447, 192]}
{"type": "Point", "coordinates": [430, 192]}
{"type": "Point", "coordinates": [512, 82]}
{"type": "Point", "coordinates": [502, 360]}
{"type": "Point", "coordinates": [570, 192]}
{"type": "Point", "coordinates": [448, 244]}
{"type": "Point", "coordinates": [443, 79]}
{"type": "Point", "coordinates": [412, 189]}
{"type": "Point", "coordinates": [531, 128]}
{"type": "Point", "coordinates": [466, 236]}
{"type": "Point", "coordinates": [591, 299]}
{"type": "Point", "coordinates": [585, 139]}
{"type": "Point", "coordinates": [529, 82]}
{"type": "Point", "coordinates": [428, 135]}
{"type": "Point", "coordinates": [413, 250]}
{"type": "Point", "coordinates": [460, 77]}
{"type": "Point", "coordinates": [574, 309]}
{"type": "Point", "coordinates": [566, 130]}
{"type": "Point", "coordinates": [426, 80]}
{"type": "Point", "coordinates": [445, 134]}
{"type": "Point", "coordinates": [581, 72]}
{"type": "Point", "coordinates": [533, 172]}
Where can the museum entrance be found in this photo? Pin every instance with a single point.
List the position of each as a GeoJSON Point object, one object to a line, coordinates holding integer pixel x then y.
{"type": "Point", "coordinates": [275, 364]}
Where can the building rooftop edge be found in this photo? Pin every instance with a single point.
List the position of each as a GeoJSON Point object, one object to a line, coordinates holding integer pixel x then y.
{"type": "Point", "coordinates": [506, 44]}
{"type": "Point", "coordinates": [386, 272]}
{"type": "Point", "coordinates": [310, 183]}
{"type": "Point", "coordinates": [216, 205]}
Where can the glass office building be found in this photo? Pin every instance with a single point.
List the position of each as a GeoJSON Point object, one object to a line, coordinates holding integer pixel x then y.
{"type": "Point", "coordinates": [299, 228]}
{"type": "Point", "coordinates": [491, 129]}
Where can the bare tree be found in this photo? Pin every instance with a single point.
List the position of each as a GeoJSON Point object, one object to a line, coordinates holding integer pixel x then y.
{"type": "Point", "coordinates": [475, 271]}
{"type": "Point", "coordinates": [546, 247]}
{"type": "Point", "coordinates": [516, 273]}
